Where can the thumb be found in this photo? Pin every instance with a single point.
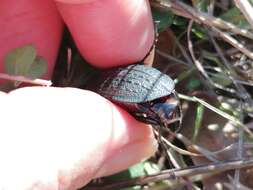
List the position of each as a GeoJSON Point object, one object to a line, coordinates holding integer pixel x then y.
{"type": "Point", "coordinates": [61, 138]}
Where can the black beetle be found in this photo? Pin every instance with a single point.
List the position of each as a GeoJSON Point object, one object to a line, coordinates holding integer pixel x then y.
{"type": "Point", "coordinates": [143, 91]}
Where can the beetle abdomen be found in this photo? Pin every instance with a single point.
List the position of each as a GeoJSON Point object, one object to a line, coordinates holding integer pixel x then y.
{"type": "Point", "coordinates": [133, 84]}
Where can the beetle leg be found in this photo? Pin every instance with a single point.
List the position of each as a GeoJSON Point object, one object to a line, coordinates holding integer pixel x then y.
{"type": "Point", "coordinates": [179, 111]}
{"type": "Point", "coordinates": [162, 143]}
{"type": "Point", "coordinates": [144, 119]}
{"type": "Point", "coordinates": [146, 115]}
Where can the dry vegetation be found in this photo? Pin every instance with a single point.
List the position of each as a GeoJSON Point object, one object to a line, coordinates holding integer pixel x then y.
{"type": "Point", "coordinates": [206, 46]}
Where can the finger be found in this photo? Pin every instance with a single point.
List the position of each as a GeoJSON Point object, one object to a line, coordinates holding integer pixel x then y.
{"type": "Point", "coordinates": [109, 33]}
{"type": "Point", "coordinates": [65, 137]}
{"type": "Point", "coordinates": [2, 93]}
{"type": "Point", "coordinates": [36, 23]}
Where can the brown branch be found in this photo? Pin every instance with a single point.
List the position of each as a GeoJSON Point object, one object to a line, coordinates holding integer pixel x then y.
{"type": "Point", "coordinates": [40, 82]}
{"type": "Point", "coordinates": [246, 9]}
{"type": "Point", "coordinates": [232, 41]}
{"type": "Point", "coordinates": [173, 174]}
{"type": "Point", "coordinates": [184, 10]}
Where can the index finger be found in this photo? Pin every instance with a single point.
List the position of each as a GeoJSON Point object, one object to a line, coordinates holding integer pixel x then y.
{"type": "Point", "coordinates": [109, 33]}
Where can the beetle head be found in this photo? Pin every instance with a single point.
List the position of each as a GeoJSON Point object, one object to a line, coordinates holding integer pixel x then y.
{"type": "Point", "coordinates": [165, 110]}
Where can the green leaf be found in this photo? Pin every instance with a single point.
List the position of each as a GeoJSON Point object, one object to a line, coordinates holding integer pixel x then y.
{"type": "Point", "coordinates": [235, 16]}
{"type": "Point", "coordinates": [221, 79]}
{"type": "Point", "coordinates": [185, 74]}
{"type": "Point", "coordinates": [19, 60]}
{"type": "Point", "coordinates": [137, 170]}
{"type": "Point", "coordinates": [198, 120]}
{"type": "Point", "coordinates": [199, 32]}
{"type": "Point", "coordinates": [151, 168]}
{"type": "Point", "coordinates": [164, 18]}
{"type": "Point", "coordinates": [193, 84]}
{"type": "Point", "coordinates": [132, 172]}
{"type": "Point", "coordinates": [180, 21]}
{"type": "Point", "coordinates": [37, 68]}
{"type": "Point", "coordinates": [211, 57]}
{"type": "Point", "coordinates": [201, 5]}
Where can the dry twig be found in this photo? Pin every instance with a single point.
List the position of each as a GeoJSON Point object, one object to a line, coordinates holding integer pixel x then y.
{"type": "Point", "coordinates": [177, 173]}
{"type": "Point", "coordinates": [181, 9]}
{"type": "Point", "coordinates": [40, 82]}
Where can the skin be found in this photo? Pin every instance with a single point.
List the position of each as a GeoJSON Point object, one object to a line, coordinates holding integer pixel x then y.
{"type": "Point", "coordinates": [62, 147]}
{"type": "Point", "coordinates": [29, 22]}
{"type": "Point", "coordinates": [55, 138]}
{"type": "Point", "coordinates": [117, 32]}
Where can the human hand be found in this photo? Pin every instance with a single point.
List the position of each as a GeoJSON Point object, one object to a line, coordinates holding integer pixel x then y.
{"type": "Point", "coordinates": [61, 138]}
{"type": "Point", "coordinates": [55, 138]}
{"type": "Point", "coordinates": [110, 33]}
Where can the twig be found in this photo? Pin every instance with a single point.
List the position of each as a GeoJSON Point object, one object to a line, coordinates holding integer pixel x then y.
{"type": "Point", "coordinates": [232, 186]}
{"type": "Point", "coordinates": [179, 150]}
{"type": "Point", "coordinates": [209, 155]}
{"type": "Point", "coordinates": [173, 174]}
{"type": "Point", "coordinates": [242, 92]}
{"type": "Point", "coordinates": [182, 49]}
{"type": "Point", "coordinates": [171, 58]}
{"type": "Point", "coordinates": [246, 98]}
{"type": "Point", "coordinates": [233, 51]}
{"type": "Point", "coordinates": [184, 10]}
{"type": "Point", "coordinates": [181, 9]}
{"type": "Point", "coordinates": [221, 113]}
{"type": "Point", "coordinates": [210, 7]}
{"type": "Point", "coordinates": [195, 61]}
{"type": "Point", "coordinates": [246, 9]}
{"type": "Point", "coordinates": [25, 79]}
{"type": "Point", "coordinates": [232, 41]}
{"type": "Point", "coordinates": [199, 66]}
{"type": "Point", "coordinates": [232, 147]}
{"type": "Point", "coordinates": [222, 76]}
{"type": "Point", "coordinates": [189, 60]}
{"type": "Point", "coordinates": [202, 151]}
{"type": "Point", "coordinates": [240, 147]}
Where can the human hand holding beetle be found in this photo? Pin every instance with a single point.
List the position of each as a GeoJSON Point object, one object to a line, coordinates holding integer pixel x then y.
{"type": "Point", "coordinates": [61, 138]}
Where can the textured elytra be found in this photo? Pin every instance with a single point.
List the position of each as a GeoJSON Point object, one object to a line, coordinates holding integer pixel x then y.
{"type": "Point", "coordinates": [133, 84]}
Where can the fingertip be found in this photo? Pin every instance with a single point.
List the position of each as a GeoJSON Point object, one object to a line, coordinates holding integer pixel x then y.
{"type": "Point", "coordinates": [128, 155]}
{"type": "Point", "coordinates": [126, 128]}
{"type": "Point", "coordinates": [132, 142]}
